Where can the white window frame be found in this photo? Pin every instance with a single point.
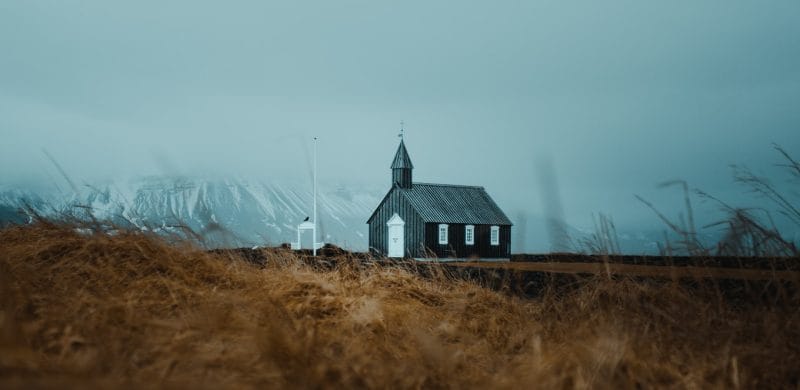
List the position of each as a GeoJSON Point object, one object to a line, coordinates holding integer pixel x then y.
{"type": "Point", "coordinates": [494, 236]}
{"type": "Point", "coordinates": [469, 234]}
{"type": "Point", "coordinates": [443, 233]}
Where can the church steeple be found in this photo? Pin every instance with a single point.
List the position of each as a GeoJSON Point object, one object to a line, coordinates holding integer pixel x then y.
{"type": "Point", "coordinates": [402, 167]}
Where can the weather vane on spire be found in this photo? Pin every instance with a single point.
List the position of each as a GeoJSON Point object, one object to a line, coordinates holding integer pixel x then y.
{"type": "Point", "coordinates": [401, 130]}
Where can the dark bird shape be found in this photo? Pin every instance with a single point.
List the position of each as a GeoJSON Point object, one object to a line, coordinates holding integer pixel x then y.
{"type": "Point", "coordinates": [306, 220]}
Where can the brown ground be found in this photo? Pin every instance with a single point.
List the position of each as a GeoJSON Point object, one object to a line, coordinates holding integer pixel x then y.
{"type": "Point", "coordinates": [641, 270]}
{"type": "Point", "coordinates": [102, 311]}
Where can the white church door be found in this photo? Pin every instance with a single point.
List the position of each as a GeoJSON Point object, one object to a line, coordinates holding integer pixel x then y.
{"type": "Point", "coordinates": [396, 235]}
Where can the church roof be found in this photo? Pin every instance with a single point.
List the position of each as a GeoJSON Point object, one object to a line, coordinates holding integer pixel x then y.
{"type": "Point", "coordinates": [443, 203]}
{"type": "Point", "coordinates": [401, 159]}
{"type": "Point", "coordinates": [454, 204]}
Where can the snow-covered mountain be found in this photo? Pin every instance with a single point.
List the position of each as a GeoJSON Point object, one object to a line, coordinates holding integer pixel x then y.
{"type": "Point", "coordinates": [240, 212]}
{"type": "Point", "coordinates": [229, 212]}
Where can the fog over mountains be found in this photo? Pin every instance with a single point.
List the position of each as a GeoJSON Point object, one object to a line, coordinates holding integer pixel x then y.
{"type": "Point", "coordinates": [241, 212]}
{"type": "Point", "coordinates": [230, 212]}
{"type": "Point", "coordinates": [616, 98]}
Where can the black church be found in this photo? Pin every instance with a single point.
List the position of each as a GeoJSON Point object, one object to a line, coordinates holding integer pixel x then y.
{"type": "Point", "coordinates": [422, 220]}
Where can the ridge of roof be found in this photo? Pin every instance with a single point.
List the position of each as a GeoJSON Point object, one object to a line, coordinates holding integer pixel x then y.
{"type": "Point", "coordinates": [448, 185]}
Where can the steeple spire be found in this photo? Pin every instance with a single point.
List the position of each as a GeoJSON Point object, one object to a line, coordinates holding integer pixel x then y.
{"type": "Point", "coordinates": [402, 167]}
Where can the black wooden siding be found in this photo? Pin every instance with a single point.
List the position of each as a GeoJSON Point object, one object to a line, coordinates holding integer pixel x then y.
{"type": "Point", "coordinates": [457, 247]}
{"type": "Point", "coordinates": [401, 177]}
{"type": "Point", "coordinates": [414, 232]}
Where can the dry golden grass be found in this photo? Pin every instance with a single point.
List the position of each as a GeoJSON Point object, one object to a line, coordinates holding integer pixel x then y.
{"type": "Point", "coordinates": [104, 311]}
{"type": "Point", "coordinates": [684, 272]}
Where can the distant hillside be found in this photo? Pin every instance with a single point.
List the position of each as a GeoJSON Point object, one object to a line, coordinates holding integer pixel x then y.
{"type": "Point", "coordinates": [226, 212]}
{"type": "Point", "coordinates": [238, 212]}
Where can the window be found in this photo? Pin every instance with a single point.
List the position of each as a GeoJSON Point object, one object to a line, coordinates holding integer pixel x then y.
{"type": "Point", "coordinates": [495, 236]}
{"type": "Point", "coordinates": [443, 233]}
{"type": "Point", "coordinates": [469, 235]}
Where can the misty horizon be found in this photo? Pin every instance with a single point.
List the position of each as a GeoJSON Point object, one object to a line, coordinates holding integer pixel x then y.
{"type": "Point", "coordinates": [615, 98]}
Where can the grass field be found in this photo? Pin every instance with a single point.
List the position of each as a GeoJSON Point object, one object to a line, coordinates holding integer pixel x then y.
{"type": "Point", "coordinates": [640, 270]}
{"type": "Point", "coordinates": [83, 311]}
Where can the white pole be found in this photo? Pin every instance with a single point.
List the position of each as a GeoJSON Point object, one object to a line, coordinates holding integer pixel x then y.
{"type": "Point", "coordinates": [314, 241]}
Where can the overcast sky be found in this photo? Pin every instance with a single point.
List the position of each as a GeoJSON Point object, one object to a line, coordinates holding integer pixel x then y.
{"type": "Point", "coordinates": [618, 95]}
